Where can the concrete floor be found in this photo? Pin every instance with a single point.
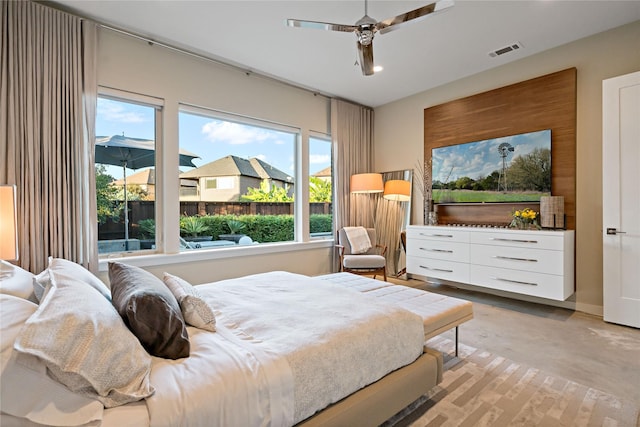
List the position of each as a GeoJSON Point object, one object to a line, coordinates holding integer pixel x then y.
{"type": "Point", "coordinates": [577, 346]}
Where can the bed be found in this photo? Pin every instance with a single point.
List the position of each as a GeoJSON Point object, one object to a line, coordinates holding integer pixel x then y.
{"type": "Point", "coordinates": [276, 349]}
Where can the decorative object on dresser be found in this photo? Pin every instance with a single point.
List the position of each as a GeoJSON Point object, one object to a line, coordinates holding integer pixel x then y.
{"type": "Point", "coordinates": [525, 219]}
{"type": "Point", "coordinates": [532, 262]}
{"type": "Point", "coordinates": [552, 211]}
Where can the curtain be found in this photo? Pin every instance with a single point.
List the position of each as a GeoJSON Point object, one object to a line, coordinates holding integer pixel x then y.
{"type": "Point", "coordinates": [47, 114]}
{"type": "Point", "coordinates": [352, 139]}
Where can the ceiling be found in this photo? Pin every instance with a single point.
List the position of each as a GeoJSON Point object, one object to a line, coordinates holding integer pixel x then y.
{"type": "Point", "coordinates": [418, 56]}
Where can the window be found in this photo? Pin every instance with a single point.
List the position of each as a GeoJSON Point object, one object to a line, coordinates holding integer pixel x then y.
{"type": "Point", "coordinates": [320, 187]}
{"type": "Point", "coordinates": [125, 174]}
{"type": "Point", "coordinates": [222, 183]}
{"type": "Point", "coordinates": [244, 176]}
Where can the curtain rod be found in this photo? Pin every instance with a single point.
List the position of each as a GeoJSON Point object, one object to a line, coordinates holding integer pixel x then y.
{"type": "Point", "coordinates": [246, 71]}
{"type": "Point", "coordinates": [204, 57]}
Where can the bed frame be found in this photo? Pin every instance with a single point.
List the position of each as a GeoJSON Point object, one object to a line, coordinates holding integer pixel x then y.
{"type": "Point", "coordinates": [379, 401]}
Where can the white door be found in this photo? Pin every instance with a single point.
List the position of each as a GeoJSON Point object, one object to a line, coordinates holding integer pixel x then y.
{"type": "Point", "coordinates": [621, 199]}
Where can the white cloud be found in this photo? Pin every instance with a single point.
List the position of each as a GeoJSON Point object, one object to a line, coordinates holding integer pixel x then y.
{"type": "Point", "coordinates": [233, 133]}
{"type": "Point", "coordinates": [114, 112]}
{"type": "Point", "coordinates": [319, 158]}
{"type": "Point", "coordinates": [262, 157]}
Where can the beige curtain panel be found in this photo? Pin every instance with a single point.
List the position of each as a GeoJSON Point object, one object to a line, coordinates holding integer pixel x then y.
{"type": "Point", "coordinates": [47, 110]}
{"type": "Point", "coordinates": [352, 135]}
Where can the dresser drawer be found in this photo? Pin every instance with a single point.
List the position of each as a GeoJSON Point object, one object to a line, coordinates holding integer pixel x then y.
{"type": "Point", "coordinates": [448, 270]}
{"type": "Point", "coordinates": [446, 234]}
{"type": "Point", "coordinates": [516, 258]}
{"type": "Point", "coordinates": [524, 239]}
{"type": "Point", "coordinates": [522, 282]}
{"type": "Point", "coordinates": [438, 249]}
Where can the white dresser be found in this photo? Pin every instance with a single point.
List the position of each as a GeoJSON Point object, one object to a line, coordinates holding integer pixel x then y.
{"type": "Point", "coordinates": [537, 263]}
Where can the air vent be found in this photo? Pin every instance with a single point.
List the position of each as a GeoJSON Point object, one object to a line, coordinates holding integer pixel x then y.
{"type": "Point", "coordinates": [506, 49]}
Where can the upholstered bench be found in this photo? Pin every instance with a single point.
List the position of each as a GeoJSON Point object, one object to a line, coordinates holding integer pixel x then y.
{"type": "Point", "coordinates": [439, 312]}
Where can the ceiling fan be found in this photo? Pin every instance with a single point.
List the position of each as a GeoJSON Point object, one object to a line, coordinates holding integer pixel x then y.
{"type": "Point", "coordinates": [366, 28]}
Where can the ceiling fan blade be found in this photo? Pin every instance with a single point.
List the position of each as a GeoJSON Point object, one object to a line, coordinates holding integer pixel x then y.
{"type": "Point", "coordinates": [366, 58]}
{"type": "Point", "coordinates": [391, 24]}
{"type": "Point", "coordinates": [321, 25]}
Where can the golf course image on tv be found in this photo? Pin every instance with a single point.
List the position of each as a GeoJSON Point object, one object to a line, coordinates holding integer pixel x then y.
{"type": "Point", "coordinates": [515, 168]}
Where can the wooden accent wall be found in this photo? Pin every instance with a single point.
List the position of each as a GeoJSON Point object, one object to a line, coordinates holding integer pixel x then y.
{"type": "Point", "coordinates": [547, 102]}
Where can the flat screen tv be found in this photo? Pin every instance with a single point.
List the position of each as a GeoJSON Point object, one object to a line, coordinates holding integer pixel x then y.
{"type": "Point", "coordinates": [514, 168]}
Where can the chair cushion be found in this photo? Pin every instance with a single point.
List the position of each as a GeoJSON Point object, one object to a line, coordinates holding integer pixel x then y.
{"type": "Point", "coordinates": [363, 261]}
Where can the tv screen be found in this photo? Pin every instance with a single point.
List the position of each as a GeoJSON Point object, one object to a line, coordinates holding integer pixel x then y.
{"type": "Point", "coordinates": [514, 168]}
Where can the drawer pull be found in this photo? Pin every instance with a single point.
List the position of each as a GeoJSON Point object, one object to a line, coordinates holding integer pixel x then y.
{"type": "Point", "coordinates": [437, 250]}
{"type": "Point", "coordinates": [436, 235]}
{"type": "Point", "coordinates": [514, 281]}
{"type": "Point", "coordinates": [514, 259]}
{"type": "Point", "coordinates": [498, 239]}
{"type": "Point", "coordinates": [436, 269]}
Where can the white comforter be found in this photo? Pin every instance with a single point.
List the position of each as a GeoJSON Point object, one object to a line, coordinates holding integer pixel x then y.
{"type": "Point", "coordinates": [287, 346]}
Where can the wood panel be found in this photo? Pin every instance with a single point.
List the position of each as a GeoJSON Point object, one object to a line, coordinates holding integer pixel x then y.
{"type": "Point", "coordinates": [546, 102]}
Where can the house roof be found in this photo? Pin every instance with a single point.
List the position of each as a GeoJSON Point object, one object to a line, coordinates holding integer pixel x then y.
{"type": "Point", "coordinates": [144, 177]}
{"type": "Point", "coordinates": [323, 173]}
{"type": "Point", "coordinates": [237, 166]}
{"type": "Point", "coordinates": [268, 171]}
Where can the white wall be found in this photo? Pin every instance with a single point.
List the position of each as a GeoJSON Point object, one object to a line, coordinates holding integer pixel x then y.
{"type": "Point", "coordinates": [399, 133]}
{"type": "Point", "coordinates": [129, 64]}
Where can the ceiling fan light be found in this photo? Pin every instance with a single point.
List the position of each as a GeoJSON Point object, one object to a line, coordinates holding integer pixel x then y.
{"type": "Point", "coordinates": [378, 68]}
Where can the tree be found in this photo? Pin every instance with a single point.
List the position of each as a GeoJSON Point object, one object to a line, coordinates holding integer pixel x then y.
{"type": "Point", "coordinates": [106, 195]}
{"type": "Point", "coordinates": [267, 193]}
{"type": "Point", "coordinates": [319, 190]}
{"type": "Point", "coordinates": [531, 172]}
{"type": "Point", "coordinates": [134, 192]}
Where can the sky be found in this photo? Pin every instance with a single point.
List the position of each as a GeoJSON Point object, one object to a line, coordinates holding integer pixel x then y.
{"type": "Point", "coordinates": [208, 138]}
{"type": "Point", "coordinates": [479, 159]}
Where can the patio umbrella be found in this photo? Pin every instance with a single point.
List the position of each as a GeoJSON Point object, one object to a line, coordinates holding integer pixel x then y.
{"type": "Point", "coordinates": [132, 153]}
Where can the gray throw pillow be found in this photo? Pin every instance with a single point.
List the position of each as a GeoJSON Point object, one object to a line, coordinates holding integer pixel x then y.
{"type": "Point", "coordinates": [150, 311]}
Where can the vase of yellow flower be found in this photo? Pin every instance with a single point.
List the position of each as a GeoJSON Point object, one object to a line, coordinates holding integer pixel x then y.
{"type": "Point", "coordinates": [525, 219]}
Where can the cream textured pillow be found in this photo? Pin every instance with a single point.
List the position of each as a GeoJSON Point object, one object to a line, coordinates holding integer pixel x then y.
{"type": "Point", "coordinates": [194, 308]}
{"type": "Point", "coordinates": [68, 269]}
{"type": "Point", "coordinates": [84, 343]}
{"type": "Point", "coordinates": [40, 399]}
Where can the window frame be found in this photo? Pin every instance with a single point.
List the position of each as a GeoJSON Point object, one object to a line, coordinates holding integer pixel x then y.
{"type": "Point", "coordinates": [164, 253]}
{"type": "Point", "coordinates": [158, 107]}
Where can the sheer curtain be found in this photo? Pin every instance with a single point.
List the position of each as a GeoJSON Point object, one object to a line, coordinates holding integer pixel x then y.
{"type": "Point", "coordinates": [352, 135]}
{"type": "Point", "coordinates": [47, 114]}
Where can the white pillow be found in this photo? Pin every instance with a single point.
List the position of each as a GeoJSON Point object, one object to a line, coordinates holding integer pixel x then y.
{"type": "Point", "coordinates": [68, 269]}
{"type": "Point", "coordinates": [16, 281]}
{"type": "Point", "coordinates": [195, 310]}
{"type": "Point", "coordinates": [40, 399]}
{"type": "Point", "coordinates": [85, 344]}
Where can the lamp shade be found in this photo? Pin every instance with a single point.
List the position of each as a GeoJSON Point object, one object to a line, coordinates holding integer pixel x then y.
{"type": "Point", "coordinates": [398, 190]}
{"type": "Point", "coordinates": [366, 183]}
{"type": "Point", "coordinates": [8, 226]}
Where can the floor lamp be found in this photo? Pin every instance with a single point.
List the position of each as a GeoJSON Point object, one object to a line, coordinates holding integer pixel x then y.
{"type": "Point", "coordinates": [366, 183]}
{"type": "Point", "coordinates": [8, 227]}
{"type": "Point", "coordinates": [397, 190]}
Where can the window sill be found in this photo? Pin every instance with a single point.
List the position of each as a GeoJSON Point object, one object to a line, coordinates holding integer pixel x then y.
{"type": "Point", "coordinates": [153, 260]}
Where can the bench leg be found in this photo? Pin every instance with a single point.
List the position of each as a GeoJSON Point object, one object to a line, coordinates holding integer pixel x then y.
{"type": "Point", "coordinates": [456, 341]}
